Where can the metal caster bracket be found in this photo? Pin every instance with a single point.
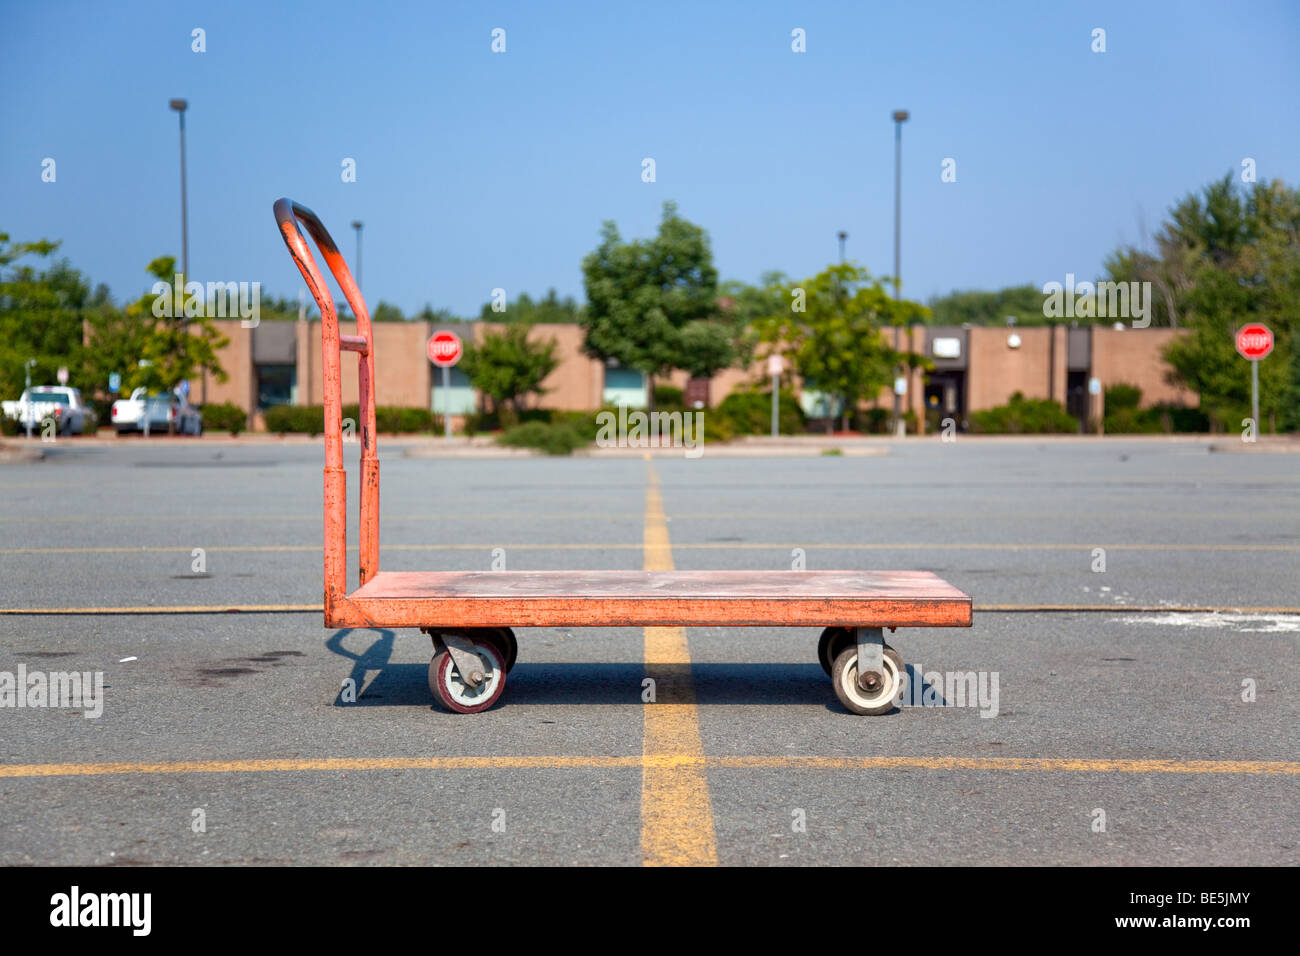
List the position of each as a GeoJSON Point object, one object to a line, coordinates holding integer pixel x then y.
{"type": "Point", "coordinates": [463, 655]}
{"type": "Point", "coordinates": [871, 657]}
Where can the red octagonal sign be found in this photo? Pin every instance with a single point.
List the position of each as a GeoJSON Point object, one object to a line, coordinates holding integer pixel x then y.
{"type": "Point", "coordinates": [444, 349]}
{"type": "Point", "coordinates": [1254, 341]}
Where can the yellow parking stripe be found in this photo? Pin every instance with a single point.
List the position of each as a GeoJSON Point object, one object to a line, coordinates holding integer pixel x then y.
{"type": "Point", "coordinates": [978, 608]}
{"type": "Point", "coordinates": [663, 762]}
{"type": "Point", "coordinates": [172, 609]}
{"type": "Point", "coordinates": [689, 546]}
{"type": "Point", "coordinates": [676, 814]}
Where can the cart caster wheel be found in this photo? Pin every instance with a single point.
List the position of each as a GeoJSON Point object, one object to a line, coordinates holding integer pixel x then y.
{"type": "Point", "coordinates": [832, 641]}
{"type": "Point", "coordinates": [455, 694]}
{"type": "Point", "coordinates": [504, 640]}
{"type": "Point", "coordinates": [869, 703]}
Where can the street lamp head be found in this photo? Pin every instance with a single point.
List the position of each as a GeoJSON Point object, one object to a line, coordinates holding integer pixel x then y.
{"type": "Point", "coordinates": [900, 116]}
{"type": "Point", "coordinates": [843, 235]}
{"type": "Point", "coordinates": [179, 105]}
{"type": "Point", "coordinates": [356, 223]}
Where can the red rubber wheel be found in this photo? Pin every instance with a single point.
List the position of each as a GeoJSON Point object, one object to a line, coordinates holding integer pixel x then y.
{"type": "Point", "coordinates": [455, 694]}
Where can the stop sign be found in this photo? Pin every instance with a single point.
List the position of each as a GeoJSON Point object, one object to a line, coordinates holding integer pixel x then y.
{"type": "Point", "coordinates": [1254, 341]}
{"type": "Point", "coordinates": [444, 349]}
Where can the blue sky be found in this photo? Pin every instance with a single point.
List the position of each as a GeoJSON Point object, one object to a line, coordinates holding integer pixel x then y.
{"type": "Point", "coordinates": [478, 170]}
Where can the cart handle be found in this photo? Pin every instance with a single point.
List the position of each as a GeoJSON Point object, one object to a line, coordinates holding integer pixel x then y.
{"type": "Point", "coordinates": [288, 214]}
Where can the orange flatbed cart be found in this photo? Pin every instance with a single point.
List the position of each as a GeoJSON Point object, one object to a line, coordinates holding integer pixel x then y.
{"type": "Point", "coordinates": [470, 615]}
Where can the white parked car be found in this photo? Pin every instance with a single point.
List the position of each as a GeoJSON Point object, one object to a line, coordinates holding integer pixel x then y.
{"type": "Point", "coordinates": [64, 405]}
{"type": "Point", "coordinates": [156, 412]}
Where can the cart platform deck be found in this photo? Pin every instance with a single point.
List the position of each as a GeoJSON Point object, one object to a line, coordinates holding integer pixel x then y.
{"type": "Point", "coordinates": [661, 598]}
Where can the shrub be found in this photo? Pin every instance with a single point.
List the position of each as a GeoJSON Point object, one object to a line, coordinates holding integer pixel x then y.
{"type": "Point", "coordinates": [1180, 418]}
{"type": "Point", "coordinates": [224, 416]}
{"type": "Point", "coordinates": [875, 421]}
{"type": "Point", "coordinates": [667, 395]}
{"type": "Point", "coordinates": [553, 438]}
{"type": "Point", "coordinates": [1121, 397]}
{"type": "Point", "coordinates": [389, 419]}
{"type": "Point", "coordinates": [1124, 417]}
{"type": "Point", "coordinates": [1023, 416]}
{"type": "Point", "coordinates": [283, 419]}
{"type": "Point", "coordinates": [505, 417]}
{"type": "Point", "coordinates": [749, 412]}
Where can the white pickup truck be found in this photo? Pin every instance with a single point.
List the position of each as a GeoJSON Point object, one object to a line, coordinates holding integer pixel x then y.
{"type": "Point", "coordinates": [155, 413]}
{"type": "Point", "coordinates": [58, 403]}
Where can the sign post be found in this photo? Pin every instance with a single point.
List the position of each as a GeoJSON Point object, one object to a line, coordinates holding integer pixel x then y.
{"type": "Point", "coordinates": [775, 366]}
{"type": "Point", "coordinates": [445, 350]}
{"type": "Point", "coordinates": [1254, 342]}
{"type": "Point", "coordinates": [27, 410]}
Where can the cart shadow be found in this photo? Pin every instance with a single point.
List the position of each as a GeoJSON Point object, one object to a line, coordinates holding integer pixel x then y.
{"type": "Point", "coordinates": [591, 684]}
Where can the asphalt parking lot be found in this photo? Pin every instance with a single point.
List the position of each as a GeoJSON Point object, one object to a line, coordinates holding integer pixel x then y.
{"type": "Point", "coordinates": [1144, 714]}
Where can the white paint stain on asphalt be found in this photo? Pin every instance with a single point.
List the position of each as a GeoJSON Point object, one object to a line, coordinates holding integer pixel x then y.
{"type": "Point", "coordinates": [1246, 623]}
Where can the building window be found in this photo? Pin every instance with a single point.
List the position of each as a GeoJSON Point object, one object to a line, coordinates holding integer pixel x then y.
{"type": "Point", "coordinates": [276, 385]}
{"type": "Point", "coordinates": [624, 386]}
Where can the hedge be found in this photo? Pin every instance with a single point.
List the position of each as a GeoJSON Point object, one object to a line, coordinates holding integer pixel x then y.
{"type": "Point", "coordinates": [749, 412]}
{"type": "Point", "coordinates": [1023, 416]}
{"type": "Point", "coordinates": [224, 416]}
{"type": "Point", "coordinates": [1124, 417]}
{"type": "Point", "coordinates": [310, 419]}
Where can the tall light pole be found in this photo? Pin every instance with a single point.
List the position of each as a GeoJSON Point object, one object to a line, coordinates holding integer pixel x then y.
{"type": "Point", "coordinates": [357, 224]}
{"type": "Point", "coordinates": [180, 106]}
{"type": "Point", "coordinates": [842, 236]}
{"type": "Point", "coordinates": [900, 117]}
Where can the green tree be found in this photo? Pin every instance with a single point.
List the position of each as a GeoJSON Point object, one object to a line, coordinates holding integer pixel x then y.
{"type": "Point", "coordinates": [979, 307]}
{"type": "Point", "coordinates": [1226, 257]}
{"type": "Point", "coordinates": [643, 295]}
{"type": "Point", "coordinates": [507, 366]}
{"type": "Point", "coordinates": [549, 309]}
{"type": "Point", "coordinates": [387, 312]}
{"type": "Point", "coordinates": [41, 311]}
{"type": "Point", "coordinates": [438, 316]}
{"type": "Point", "coordinates": [831, 329]}
{"type": "Point", "coordinates": [150, 348]}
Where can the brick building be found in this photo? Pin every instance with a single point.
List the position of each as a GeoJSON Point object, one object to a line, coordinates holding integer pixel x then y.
{"type": "Point", "coordinates": [279, 362]}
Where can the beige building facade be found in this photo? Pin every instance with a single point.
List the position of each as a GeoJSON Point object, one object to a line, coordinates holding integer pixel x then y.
{"type": "Point", "coordinates": [279, 362]}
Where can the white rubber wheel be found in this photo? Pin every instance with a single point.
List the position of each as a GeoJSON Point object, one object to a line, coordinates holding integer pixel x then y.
{"type": "Point", "coordinates": [844, 675]}
{"type": "Point", "coordinates": [455, 693]}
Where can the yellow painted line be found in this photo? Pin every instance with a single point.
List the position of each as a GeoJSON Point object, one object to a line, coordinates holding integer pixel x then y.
{"type": "Point", "coordinates": [676, 813]}
{"type": "Point", "coordinates": [979, 608]}
{"type": "Point", "coordinates": [316, 517]}
{"type": "Point", "coordinates": [703, 546]}
{"type": "Point", "coordinates": [1137, 608]}
{"type": "Point", "coordinates": [765, 516]}
{"type": "Point", "coordinates": [674, 763]}
{"type": "Point", "coordinates": [171, 609]}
